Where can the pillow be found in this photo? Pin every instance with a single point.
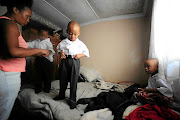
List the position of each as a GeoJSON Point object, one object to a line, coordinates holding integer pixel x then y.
{"type": "Point", "coordinates": [128, 110]}
{"type": "Point", "coordinates": [89, 73]}
{"type": "Point", "coordinates": [81, 78]}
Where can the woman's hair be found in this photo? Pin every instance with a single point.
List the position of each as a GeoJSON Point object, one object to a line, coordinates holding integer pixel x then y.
{"type": "Point", "coordinates": [19, 4]}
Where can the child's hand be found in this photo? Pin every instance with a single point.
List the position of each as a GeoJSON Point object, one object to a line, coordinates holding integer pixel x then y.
{"type": "Point", "coordinates": [141, 90]}
{"type": "Point", "coordinates": [63, 55]}
{"type": "Point", "coordinates": [77, 56]}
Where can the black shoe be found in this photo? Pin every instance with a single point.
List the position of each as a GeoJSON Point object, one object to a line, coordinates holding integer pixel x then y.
{"type": "Point", "coordinates": [59, 98]}
{"type": "Point", "coordinates": [37, 90]}
{"type": "Point", "coordinates": [46, 91]}
{"type": "Point", "coordinates": [72, 105]}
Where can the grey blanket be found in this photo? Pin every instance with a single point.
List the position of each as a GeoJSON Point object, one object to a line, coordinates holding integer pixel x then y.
{"type": "Point", "coordinates": [57, 110]}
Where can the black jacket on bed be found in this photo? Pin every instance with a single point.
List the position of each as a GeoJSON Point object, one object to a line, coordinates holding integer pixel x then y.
{"type": "Point", "coordinates": [117, 102]}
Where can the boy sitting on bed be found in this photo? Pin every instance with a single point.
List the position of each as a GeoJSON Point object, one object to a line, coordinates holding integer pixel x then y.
{"type": "Point", "coordinates": [71, 50]}
{"type": "Point", "coordinates": [156, 87]}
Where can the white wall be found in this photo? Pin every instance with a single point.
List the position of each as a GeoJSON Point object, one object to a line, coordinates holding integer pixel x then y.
{"type": "Point", "coordinates": [118, 49]}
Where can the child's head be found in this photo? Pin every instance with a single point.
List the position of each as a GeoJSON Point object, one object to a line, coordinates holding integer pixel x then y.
{"type": "Point", "coordinates": [151, 66]}
{"type": "Point", "coordinates": [73, 30]}
{"type": "Point", "coordinates": [56, 35]}
{"type": "Point", "coordinates": [43, 34]}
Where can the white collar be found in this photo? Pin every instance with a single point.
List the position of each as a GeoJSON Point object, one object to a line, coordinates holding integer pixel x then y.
{"type": "Point", "coordinates": [47, 39]}
{"type": "Point", "coordinates": [70, 42]}
{"type": "Point", "coordinates": [154, 75]}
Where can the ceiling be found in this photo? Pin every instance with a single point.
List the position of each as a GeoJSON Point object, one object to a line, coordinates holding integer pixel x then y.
{"type": "Point", "coordinates": [57, 13]}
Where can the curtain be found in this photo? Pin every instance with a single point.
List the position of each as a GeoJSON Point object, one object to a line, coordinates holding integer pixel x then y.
{"type": "Point", "coordinates": [165, 41]}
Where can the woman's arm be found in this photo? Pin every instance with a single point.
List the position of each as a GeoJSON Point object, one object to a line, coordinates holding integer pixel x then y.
{"type": "Point", "coordinates": [11, 35]}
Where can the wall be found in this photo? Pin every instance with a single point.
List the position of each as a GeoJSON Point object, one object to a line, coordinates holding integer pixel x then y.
{"type": "Point", "coordinates": [3, 10]}
{"type": "Point", "coordinates": [118, 49]}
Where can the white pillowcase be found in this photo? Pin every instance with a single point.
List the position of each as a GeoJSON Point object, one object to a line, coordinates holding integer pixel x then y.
{"type": "Point", "coordinates": [89, 73]}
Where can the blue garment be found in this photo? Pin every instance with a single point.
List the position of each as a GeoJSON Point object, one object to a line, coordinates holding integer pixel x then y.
{"type": "Point", "coordinates": [9, 88]}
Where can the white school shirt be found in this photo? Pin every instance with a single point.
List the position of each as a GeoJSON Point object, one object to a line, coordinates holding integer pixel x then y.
{"type": "Point", "coordinates": [73, 48]}
{"type": "Point", "coordinates": [43, 44]}
{"type": "Point", "coordinates": [161, 85]}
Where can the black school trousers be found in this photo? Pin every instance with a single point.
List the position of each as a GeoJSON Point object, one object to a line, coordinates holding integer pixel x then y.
{"type": "Point", "coordinates": [44, 70]}
{"type": "Point", "coordinates": [69, 72]}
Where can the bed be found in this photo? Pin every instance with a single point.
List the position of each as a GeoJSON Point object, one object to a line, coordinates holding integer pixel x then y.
{"type": "Point", "coordinates": [42, 106]}
{"type": "Point", "coordinates": [59, 110]}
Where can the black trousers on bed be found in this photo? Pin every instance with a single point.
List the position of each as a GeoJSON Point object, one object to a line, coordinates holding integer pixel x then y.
{"type": "Point", "coordinates": [43, 74]}
{"type": "Point", "coordinates": [69, 72]}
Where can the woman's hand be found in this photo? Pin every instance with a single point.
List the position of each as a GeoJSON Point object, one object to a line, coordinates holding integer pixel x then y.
{"type": "Point", "coordinates": [42, 52]}
{"type": "Point", "coordinates": [45, 53]}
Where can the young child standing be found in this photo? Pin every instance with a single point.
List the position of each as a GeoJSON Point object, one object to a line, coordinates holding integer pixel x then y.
{"type": "Point", "coordinates": [43, 65]}
{"type": "Point", "coordinates": [71, 50]}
